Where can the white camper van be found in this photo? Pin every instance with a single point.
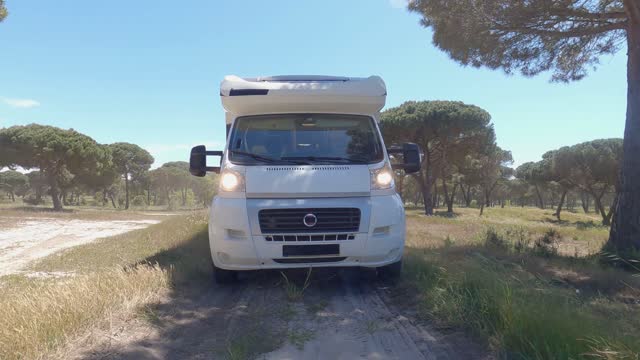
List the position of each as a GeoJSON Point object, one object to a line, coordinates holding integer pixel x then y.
{"type": "Point", "coordinates": [306, 179]}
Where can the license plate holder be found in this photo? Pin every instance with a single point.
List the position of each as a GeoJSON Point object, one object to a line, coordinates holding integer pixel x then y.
{"type": "Point", "coordinates": [310, 250]}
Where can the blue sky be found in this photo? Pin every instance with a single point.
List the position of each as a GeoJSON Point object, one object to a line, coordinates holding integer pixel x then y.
{"type": "Point", "coordinates": [148, 72]}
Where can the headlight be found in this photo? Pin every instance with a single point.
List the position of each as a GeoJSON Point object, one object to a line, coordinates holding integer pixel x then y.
{"type": "Point", "coordinates": [382, 178]}
{"type": "Point", "coordinates": [231, 181]}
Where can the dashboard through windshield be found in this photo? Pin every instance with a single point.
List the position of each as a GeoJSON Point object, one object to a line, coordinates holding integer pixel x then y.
{"type": "Point", "coordinates": [305, 139]}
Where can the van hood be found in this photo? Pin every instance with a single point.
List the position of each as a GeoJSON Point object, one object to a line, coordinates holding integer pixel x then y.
{"type": "Point", "coordinates": [307, 181]}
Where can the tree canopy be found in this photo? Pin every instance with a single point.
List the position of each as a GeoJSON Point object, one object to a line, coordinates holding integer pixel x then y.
{"type": "Point", "coordinates": [447, 132]}
{"type": "Point", "coordinates": [12, 181]}
{"type": "Point", "coordinates": [565, 37]}
{"type": "Point", "coordinates": [3, 10]}
{"type": "Point", "coordinates": [131, 162]}
{"type": "Point", "coordinates": [57, 153]}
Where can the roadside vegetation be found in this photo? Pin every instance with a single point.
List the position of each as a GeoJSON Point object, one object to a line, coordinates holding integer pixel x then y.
{"type": "Point", "coordinates": [67, 169]}
{"type": "Point", "coordinates": [525, 285]}
{"type": "Point", "coordinates": [514, 279]}
{"type": "Point", "coordinates": [113, 278]}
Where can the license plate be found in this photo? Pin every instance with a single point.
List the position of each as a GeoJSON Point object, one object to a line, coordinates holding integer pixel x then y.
{"type": "Point", "coordinates": [310, 250]}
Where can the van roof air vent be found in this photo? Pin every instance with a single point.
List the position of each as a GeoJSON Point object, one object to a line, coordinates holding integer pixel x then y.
{"type": "Point", "coordinates": [302, 78]}
{"type": "Point", "coordinates": [315, 168]}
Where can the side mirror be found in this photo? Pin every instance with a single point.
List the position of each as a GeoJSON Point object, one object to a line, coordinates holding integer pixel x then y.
{"type": "Point", "coordinates": [411, 157]}
{"type": "Point", "coordinates": [198, 161]}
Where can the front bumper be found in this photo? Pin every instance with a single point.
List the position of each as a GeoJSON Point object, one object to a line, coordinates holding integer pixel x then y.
{"type": "Point", "coordinates": [237, 243]}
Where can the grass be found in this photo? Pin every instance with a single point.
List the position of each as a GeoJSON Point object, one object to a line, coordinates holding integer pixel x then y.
{"type": "Point", "coordinates": [527, 286]}
{"type": "Point", "coordinates": [298, 338]}
{"type": "Point", "coordinates": [509, 281]}
{"type": "Point", "coordinates": [115, 278]}
{"type": "Point", "coordinates": [134, 246]}
{"type": "Point", "coordinates": [294, 291]}
{"type": "Point", "coordinates": [578, 232]}
{"type": "Point", "coordinates": [372, 326]}
{"type": "Point", "coordinates": [39, 317]}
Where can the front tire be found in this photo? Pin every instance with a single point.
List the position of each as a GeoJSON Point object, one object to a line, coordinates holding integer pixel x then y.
{"type": "Point", "coordinates": [222, 276]}
{"type": "Point", "coordinates": [391, 271]}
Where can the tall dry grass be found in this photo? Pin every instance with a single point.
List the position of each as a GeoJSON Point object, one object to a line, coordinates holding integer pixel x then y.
{"type": "Point", "coordinates": [115, 277]}
{"type": "Point", "coordinates": [509, 286]}
{"type": "Point", "coordinates": [37, 318]}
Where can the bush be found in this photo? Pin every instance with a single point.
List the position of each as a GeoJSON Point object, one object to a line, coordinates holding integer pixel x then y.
{"type": "Point", "coordinates": [547, 244]}
{"type": "Point", "coordinates": [509, 311]}
{"type": "Point", "coordinates": [493, 239]}
{"type": "Point", "coordinates": [32, 200]}
{"type": "Point", "coordinates": [139, 201]}
{"type": "Point", "coordinates": [520, 237]}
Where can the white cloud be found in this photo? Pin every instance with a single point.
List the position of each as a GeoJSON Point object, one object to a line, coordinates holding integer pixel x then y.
{"type": "Point", "coordinates": [399, 4]}
{"type": "Point", "coordinates": [20, 103]}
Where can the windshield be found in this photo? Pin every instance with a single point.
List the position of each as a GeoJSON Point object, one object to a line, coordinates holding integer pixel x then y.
{"type": "Point", "coordinates": [305, 139]}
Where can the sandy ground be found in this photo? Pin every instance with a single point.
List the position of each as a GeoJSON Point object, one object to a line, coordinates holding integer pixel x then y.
{"type": "Point", "coordinates": [339, 317]}
{"type": "Point", "coordinates": [28, 239]}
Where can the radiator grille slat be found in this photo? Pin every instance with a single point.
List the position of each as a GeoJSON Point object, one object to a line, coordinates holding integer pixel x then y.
{"type": "Point", "coordinates": [291, 220]}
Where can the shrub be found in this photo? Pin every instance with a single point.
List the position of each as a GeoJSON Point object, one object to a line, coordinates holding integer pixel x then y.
{"type": "Point", "coordinates": [547, 244]}
{"type": "Point", "coordinates": [139, 201]}
{"type": "Point", "coordinates": [511, 312]}
{"type": "Point", "coordinates": [520, 237]}
{"type": "Point", "coordinates": [32, 200]}
{"type": "Point", "coordinates": [493, 239]}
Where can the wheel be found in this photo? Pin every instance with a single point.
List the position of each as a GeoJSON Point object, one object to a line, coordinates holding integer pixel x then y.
{"type": "Point", "coordinates": [391, 271]}
{"type": "Point", "coordinates": [222, 276]}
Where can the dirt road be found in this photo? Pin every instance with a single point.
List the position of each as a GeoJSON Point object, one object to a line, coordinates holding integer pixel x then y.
{"type": "Point", "coordinates": [27, 239]}
{"type": "Point", "coordinates": [341, 316]}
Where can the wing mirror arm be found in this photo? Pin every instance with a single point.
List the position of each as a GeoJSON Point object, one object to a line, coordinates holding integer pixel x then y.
{"type": "Point", "coordinates": [198, 161]}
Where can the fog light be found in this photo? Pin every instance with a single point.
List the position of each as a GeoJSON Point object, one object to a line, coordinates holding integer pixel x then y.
{"type": "Point", "coordinates": [382, 230]}
{"type": "Point", "coordinates": [236, 234]}
{"type": "Point", "coordinates": [223, 256]}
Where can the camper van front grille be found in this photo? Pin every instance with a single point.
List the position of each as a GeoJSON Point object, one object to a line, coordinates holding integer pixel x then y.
{"type": "Point", "coordinates": [314, 237]}
{"type": "Point", "coordinates": [318, 220]}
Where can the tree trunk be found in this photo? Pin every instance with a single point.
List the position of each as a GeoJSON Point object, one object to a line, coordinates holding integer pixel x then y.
{"type": "Point", "coordinates": [399, 187]}
{"type": "Point", "coordinates": [126, 191]}
{"type": "Point", "coordinates": [625, 232]}
{"type": "Point", "coordinates": [600, 208]}
{"type": "Point", "coordinates": [466, 194]}
{"type": "Point", "coordinates": [417, 198]}
{"type": "Point", "coordinates": [55, 192]}
{"type": "Point", "coordinates": [613, 208]}
{"type": "Point", "coordinates": [425, 187]}
{"type": "Point", "coordinates": [113, 201]}
{"type": "Point", "coordinates": [584, 198]}
{"type": "Point", "coordinates": [13, 196]}
{"type": "Point", "coordinates": [450, 199]}
{"type": "Point", "coordinates": [540, 201]}
{"type": "Point", "coordinates": [482, 202]}
{"type": "Point", "coordinates": [559, 209]}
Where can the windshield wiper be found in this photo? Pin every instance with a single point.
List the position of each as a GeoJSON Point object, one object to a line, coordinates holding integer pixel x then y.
{"type": "Point", "coordinates": [327, 159]}
{"type": "Point", "coordinates": [268, 159]}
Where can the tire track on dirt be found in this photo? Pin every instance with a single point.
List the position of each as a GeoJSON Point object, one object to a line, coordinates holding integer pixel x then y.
{"type": "Point", "coordinates": [356, 323]}
{"type": "Point", "coordinates": [341, 316]}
